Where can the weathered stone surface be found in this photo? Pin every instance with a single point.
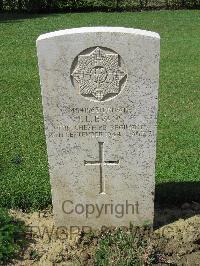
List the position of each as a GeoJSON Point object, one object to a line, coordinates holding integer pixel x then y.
{"type": "Point", "coordinates": [100, 93]}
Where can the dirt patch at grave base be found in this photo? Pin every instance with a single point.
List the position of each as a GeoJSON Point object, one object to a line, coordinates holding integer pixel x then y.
{"type": "Point", "coordinates": [178, 243]}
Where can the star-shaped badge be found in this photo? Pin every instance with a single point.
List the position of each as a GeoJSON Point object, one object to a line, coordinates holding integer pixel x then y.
{"type": "Point", "coordinates": [98, 74]}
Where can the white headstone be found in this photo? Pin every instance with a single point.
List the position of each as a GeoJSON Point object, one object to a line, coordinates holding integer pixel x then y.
{"type": "Point", "coordinates": [100, 96]}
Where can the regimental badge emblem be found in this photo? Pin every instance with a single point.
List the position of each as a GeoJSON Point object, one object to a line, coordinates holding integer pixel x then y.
{"type": "Point", "coordinates": [99, 73]}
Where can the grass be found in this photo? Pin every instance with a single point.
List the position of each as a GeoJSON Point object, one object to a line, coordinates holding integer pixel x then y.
{"type": "Point", "coordinates": [12, 236]}
{"type": "Point", "coordinates": [24, 179]}
{"type": "Point", "coordinates": [125, 249]}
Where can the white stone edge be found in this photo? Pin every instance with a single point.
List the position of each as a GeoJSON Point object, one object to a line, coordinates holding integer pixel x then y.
{"type": "Point", "coordinates": [98, 29]}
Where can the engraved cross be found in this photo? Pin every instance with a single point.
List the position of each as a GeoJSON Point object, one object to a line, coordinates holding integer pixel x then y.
{"type": "Point", "coordinates": [101, 163]}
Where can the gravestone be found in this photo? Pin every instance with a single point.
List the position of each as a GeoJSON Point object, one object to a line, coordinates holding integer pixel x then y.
{"type": "Point", "coordinates": [100, 97]}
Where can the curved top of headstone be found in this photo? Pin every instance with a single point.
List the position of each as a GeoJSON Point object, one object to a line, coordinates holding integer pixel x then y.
{"type": "Point", "coordinates": [99, 29]}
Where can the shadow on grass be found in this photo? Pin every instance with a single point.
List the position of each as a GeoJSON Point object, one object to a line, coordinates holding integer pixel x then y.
{"type": "Point", "coordinates": [174, 201]}
{"type": "Point", "coordinates": [20, 17]}
{"type": "Point", "coordinates": [177, 193]}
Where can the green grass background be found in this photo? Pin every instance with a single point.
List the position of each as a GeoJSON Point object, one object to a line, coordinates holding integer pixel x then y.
{"type": "Point", "coordinates": [24, 179]}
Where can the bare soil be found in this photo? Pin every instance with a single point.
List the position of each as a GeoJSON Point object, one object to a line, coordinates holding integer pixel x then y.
{"type": "Point", "coordinates": [176, 232]}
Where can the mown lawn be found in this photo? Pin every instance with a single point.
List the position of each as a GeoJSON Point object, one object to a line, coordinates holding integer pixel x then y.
{"type": "Point", "coordinates": [24, 179]}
